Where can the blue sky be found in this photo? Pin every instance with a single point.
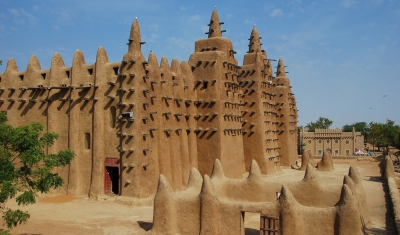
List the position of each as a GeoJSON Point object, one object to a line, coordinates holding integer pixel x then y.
{"type": "Point", "coordinates": [343, 56]}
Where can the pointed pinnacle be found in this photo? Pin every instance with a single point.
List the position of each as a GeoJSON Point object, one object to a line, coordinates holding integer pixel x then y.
{"type": "Point", "coordinates": [215, 28]}
{"type": "Point", "coordinates": [281, 69]}
{"type": "Point", "coordinates": [254, 44]}
{"type": "Point", "coordinates": [134, 37]}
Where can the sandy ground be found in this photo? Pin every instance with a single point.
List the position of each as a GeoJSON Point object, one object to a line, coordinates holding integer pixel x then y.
{"type": "Point", "coordinates": [64, 214]}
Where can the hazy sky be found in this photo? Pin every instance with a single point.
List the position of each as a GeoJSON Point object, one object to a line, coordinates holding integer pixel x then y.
{"type": "Point", "coordinates": [343, 56]}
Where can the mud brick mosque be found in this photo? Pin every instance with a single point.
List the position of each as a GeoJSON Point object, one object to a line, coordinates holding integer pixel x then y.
{"type": "Point", "coordinates": [132, 120]}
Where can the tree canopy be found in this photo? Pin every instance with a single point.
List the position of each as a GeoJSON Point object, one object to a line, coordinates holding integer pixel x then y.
{"type": "Point", "coordinates": [362, 127]}
{"type": "Point", "coordinates": [378, 134]}
{"type": "Point", "coordinates": [321, 123]}
{"type": "Point", "coordinates": [384, 134]}
{"type": "Point", "coordinates": [25, 168]}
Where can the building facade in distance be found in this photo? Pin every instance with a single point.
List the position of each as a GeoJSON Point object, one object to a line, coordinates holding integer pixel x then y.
{"type": "Point", "coordinates": [336, 141]}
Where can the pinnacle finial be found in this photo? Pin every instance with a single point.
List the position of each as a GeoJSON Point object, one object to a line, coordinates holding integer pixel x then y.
{"type": "Point", "coordinates": [281, 68]}
{"type": "Point", "coordinates": [134, 37]}
{"type": "Point", "coordinates": [254, 45]}
{"type": "Point", "coordinates": [215, 28]}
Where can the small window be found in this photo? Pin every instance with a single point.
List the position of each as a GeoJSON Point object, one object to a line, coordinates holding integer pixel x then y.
{"type": "Point", "coordinates": [44, 75]}
{"type": "Point", "coordinates": [347, 151]}
{"type": "Point", "coordinates": [205, 84]}
{"type": "Point", "coordinates": [67, 72]}
{"type": "Point", "coordinates": [347, 141]}
{"type": "Point", "coordinates": [87, 140]}
{"type": "Point", "coordinates": [309, 141]}
{"type": "Point", "coordinates": [336, 151]}
{"type": "Point", "coordinates": [116, 70]}
{"type": "Point", "coordinates": [21, 77]}
{"type": "Point", "coordinates": [319, 152]}
{"type": "Point", "coordinates": [319, 141]}
{"type": "Point", "coordinates": [90, 71]}
{"type": "Point", "coordinates": [336, 141]}
{"type": "Point", "coordinates": [328, 141]}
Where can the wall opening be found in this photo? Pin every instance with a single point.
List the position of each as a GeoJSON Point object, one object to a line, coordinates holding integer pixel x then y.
{"type": "Point", "coordinates": [116, 70]}
{"type": "Point", "coordinates": [44, 75]}
{"type": "Point", "coordinates": [87, 140]}
{"type": "Point", "coordinates": [250, 223]}
{"type": "Point", "coordinates": [90, 71]}
{"type": "Point", "coordinates": [67, 72]}
{"type": "Point", "coordinates": [21, 77]}
{"type": "Point", "coordinates": [113, 116]}
{"type": "Point", "coordinates": [111, 182]}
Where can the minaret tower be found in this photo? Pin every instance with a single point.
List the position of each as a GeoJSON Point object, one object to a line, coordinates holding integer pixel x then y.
{"type": "Point", "coordinates": [138, 158]}
{"type": "Point", "coordinates": [258, 108]}
{"type": "Point", "coordinates": [286, 117]}
{"type": "Point", "coordinates": [219, 134]}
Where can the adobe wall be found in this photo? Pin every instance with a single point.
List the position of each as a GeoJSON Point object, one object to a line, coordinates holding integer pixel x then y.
{"type": "Point", "coordinates": [215, 205]}
{"type": "Point", "coordinates": [185, 114]}
{"type": "Point", "coordinates": [390, 178]}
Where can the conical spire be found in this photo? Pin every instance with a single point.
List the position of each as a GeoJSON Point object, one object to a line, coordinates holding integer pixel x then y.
{"type": "Point", "coordinates": [33, 64]}
{"type": "Point", "coordinates": [254, 45]}
{"type": "Point", "coordinates": [217, 171]}
{"type": "Point", "coordinates": [78, 59]}
{"type": "Point", "coordinates": [57, 61]}
{"type": "Point", "coordinates": [134, 37]}
{"type": "Point", "coordinates": [215, 29]}
{"type": "Point", "coordinates": [281, 69]}
{"type": "Point", "coordinates": [101, 56]}
{"type": "Point", "coordinates": [11, 66]}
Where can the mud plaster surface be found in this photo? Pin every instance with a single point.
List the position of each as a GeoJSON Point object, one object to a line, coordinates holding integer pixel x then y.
{"type": "Point", "coordinates": [68, 215]}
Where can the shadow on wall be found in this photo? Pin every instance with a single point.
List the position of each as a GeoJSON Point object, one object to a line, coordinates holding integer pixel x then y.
{"type": "Point", "coordinates": [145, 225]}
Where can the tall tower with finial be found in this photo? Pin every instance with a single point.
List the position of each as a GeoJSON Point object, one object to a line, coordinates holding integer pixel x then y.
{"type": "Point", "coordinates": [286, 117]}
{"type": "Point", "coordinates": [219, 130]}
{"type": "Point", "coordinates": [258, 108]}
{"type": "Point", "coordinates": [139, 161]}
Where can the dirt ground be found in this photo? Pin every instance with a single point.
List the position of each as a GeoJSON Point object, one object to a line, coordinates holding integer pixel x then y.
{"type": "Point", "coordinates": [63, 214]}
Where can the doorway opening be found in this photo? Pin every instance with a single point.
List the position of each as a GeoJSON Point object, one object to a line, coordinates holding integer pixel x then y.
{"type": "Point", "coordinates": [113, 179]}
{"type": "Point", "coordinates": [112, 176]}
{"type": "Point", "coordinates": [250, 223]}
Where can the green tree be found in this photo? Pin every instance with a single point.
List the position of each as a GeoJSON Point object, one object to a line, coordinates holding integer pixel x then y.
{"type": "Point", "coordinates": [321, 123]}
{"type": "Point", "coordinates": [383, 134]}
{"type": "Point", "coordinates": [362, 127]}
{"type": "Point", "coordinates": [25, 168]}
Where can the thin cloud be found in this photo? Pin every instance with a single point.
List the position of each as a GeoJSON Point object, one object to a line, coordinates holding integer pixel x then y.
{"type": "Point", "coordinates": [21, 16]}
{"type": "Point", "coordinates": [349, 3]}
{"type": "Point", "coordinates": [276, 13]}
{"type": "Point", "coordinates": [154, 27]}
{"type": "Point", "coordinates": [195, 17]}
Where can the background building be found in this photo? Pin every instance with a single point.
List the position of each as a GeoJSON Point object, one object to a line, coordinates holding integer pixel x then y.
{"type": "Point", "coordinates": [338, 142]}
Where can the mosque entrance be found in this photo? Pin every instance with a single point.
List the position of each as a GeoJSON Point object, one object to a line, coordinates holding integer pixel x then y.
{"type": "Point", "coordinates": [111, 176]}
